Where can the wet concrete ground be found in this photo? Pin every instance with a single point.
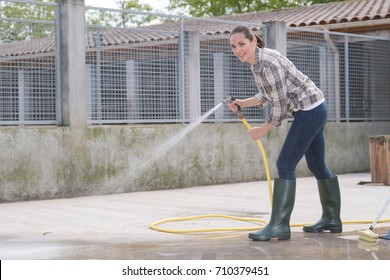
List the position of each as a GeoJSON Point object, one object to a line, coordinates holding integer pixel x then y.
{"type": "Point", "coordinates": [116, 227]}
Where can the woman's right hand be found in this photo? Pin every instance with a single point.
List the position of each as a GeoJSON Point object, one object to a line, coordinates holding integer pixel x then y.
{"type": "Point", "coordinates": [233, 105]}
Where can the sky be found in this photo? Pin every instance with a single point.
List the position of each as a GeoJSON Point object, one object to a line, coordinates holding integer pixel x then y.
{"type": "Point", "coordinates": [156, 5]}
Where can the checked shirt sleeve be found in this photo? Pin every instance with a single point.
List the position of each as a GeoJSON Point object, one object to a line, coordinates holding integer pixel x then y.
{"type": "Point", "coordinates": [263, 101]}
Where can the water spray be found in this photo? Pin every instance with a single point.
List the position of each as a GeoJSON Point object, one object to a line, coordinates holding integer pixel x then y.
{"type": "Point", "coordinates": [158, 151]}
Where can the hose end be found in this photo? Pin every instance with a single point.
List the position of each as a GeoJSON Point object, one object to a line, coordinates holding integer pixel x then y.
{"type": "Point", "coordinates": [227, 99]}
{"type": "Point", "coordinates": [239, 113]}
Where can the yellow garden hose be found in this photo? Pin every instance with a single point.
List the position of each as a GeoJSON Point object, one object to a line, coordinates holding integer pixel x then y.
{"type": "Point", "coordinates": [258, 142]}
{"type": "Point", "coordinates": [154, 225]}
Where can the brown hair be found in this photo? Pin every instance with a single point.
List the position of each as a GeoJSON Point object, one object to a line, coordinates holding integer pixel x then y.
{"type": "Point", "coordinates": [248, 34]}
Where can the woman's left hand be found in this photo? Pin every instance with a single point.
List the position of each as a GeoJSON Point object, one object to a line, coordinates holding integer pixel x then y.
{"type": "Point", "coordinates": [258, 132]}
{"type": "Point", "coordinates": [255, 133]}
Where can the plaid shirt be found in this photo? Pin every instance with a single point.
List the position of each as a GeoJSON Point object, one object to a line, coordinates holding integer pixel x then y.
{"type": "Point", "coordinates": [283, 85]}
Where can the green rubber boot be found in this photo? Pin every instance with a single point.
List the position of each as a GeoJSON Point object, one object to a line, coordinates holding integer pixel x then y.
{"type": "Point", "coordinates": [329, 191]}
{"type": "Point", "coordinates": [282, 205]}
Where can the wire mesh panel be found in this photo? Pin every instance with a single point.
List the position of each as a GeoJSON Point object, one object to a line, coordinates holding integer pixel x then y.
{"type": "Point", "coordinates": [173, 71]}
{"type": "Point", "coordinates": [176, 71]}
{"type": "Point", "coordinates": [132, 72]}
{"type": "Point", "coordinates": [366, 78]}
{"type": "Point", "coordinates": [154, 68]}
{"type": "Point", "coordinates": [28, 92]}
{"type": "Point", "coordinates": [132, 85]}
{"type": "Point", "coordinates": [350, 69]}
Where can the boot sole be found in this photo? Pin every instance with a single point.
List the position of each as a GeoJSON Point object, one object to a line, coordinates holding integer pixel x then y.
{"type": "Point", "coordinates": [332, 230]}
{"type": "Point", "coordinates": [254, 238]}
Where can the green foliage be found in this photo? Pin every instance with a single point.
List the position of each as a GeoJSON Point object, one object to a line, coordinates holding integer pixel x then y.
{"type": "Point", "coordinates": [137, 20]}
{"type": "Point", "coordinates": [27, 11]}
{"type": "Point", "coordinates": [212, 8]}
{"type": "Point", "coordinates": [23, 27]}
{"type": "Point", "coordinates": [120, 19]}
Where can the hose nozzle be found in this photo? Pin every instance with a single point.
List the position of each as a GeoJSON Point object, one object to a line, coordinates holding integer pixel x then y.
{"type": "Point", "coordinates": [238, 112]}
{"type": "Point", "coordinates": [230, 99]}
{"type": "Point", "coordinates": [227, 99]}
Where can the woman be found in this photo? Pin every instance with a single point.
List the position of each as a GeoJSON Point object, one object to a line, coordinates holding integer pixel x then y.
{"type": "Point", "coordinates": [292, 94]}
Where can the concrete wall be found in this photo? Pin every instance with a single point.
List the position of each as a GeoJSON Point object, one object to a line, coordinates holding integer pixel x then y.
{"type": "Point", "coordinates": [55, 162]}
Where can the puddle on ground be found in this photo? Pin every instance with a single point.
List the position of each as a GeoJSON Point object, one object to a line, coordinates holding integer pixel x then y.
{"type": "Point", "coordinates": [224, 246]}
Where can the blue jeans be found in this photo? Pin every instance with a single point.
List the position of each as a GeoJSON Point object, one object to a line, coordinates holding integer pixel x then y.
{"type": "Point", "coordinates": [305, 138]}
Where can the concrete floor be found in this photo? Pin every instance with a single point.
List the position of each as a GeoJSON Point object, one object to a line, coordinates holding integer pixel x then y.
{"type": "Point", "coordinates": [116, 227]}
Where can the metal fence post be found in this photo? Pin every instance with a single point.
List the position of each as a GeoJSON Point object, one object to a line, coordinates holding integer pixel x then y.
{"type": "Point", "coordinates": [98, 38]}
{"type": "Point", "coordinates": [58, 65]}
{"type": "Point", "coordinates": [346, 65]}
{"type": "Point", "coordinates": [182, 104]}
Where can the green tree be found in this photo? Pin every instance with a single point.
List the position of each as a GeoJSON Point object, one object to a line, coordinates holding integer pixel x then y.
{"type": "Point", "coordinates": [138, 20]}
{"type": "Point", "coordinates": [120, 19]}
{"type": "Point", "coordinates": [21, 20]}
{"type": "Point", "coordinates": [212, 8]}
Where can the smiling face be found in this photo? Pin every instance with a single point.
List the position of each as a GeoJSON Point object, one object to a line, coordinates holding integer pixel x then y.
{"type": "Point", "coordinates": [243, 48]}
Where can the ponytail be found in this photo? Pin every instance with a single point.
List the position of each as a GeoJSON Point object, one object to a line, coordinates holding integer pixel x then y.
{"type": "Point", "coordinates": [248, 34]}
{"type": "Point", "coordinates": [260, 42]}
